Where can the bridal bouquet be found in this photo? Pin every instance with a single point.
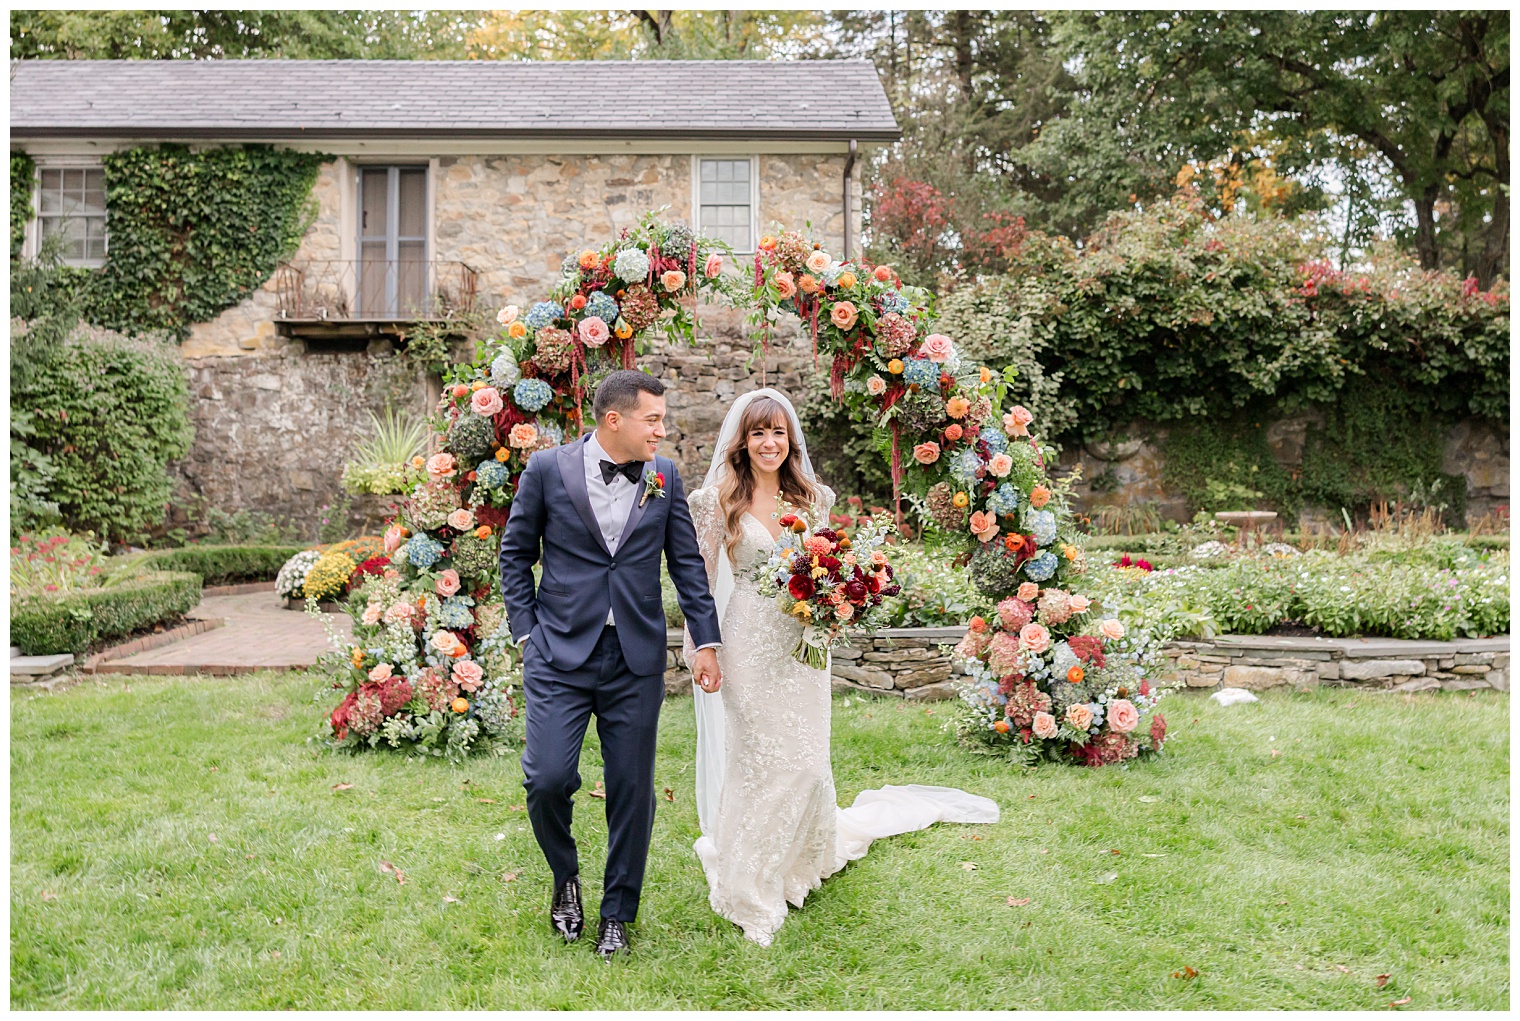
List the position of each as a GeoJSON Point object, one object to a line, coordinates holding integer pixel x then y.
{"type": "Point", "coordinates": [827, 580]}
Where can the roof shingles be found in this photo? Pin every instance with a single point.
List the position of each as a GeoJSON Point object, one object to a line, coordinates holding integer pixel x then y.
{"type": "Point", "coordinates": [802, 99]}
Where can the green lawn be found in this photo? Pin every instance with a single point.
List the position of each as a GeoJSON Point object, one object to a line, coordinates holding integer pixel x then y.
{"type": "Point", "coordinates": [177, 843]}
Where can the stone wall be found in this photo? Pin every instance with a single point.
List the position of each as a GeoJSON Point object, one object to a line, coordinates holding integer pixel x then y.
{"type": "Point", "coordinates": [274, 419]}
{"type": "Point", "coordinates": [1472, 448]}
{"type": "Point", "coordinates": [909, 663]}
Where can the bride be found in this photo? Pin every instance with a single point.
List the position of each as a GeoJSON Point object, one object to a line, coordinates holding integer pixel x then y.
{"type": "Point", "coordinates": [771, 831]}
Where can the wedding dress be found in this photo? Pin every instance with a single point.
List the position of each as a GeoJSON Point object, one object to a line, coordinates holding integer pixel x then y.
{"type": "Point", "coordinates": [771, 829]}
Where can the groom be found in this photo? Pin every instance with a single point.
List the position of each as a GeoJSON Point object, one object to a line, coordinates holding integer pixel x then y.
{"type": "Point", "coordinates": [598, 512]}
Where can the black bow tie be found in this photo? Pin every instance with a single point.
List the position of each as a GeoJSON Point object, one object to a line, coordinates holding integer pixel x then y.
{"type": "Point", "coordinates": [630, 470]}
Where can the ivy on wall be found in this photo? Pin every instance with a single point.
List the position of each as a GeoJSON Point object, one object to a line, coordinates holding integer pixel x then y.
{"type": "Point", "coordinates": [23, 172]}
{"type": "Point", "coordinates": [194, 233]}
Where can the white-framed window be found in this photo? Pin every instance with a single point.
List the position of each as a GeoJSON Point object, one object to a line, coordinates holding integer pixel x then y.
{"type": "Point", "coordinates": [70, 200]}
{"type": "Point", "coordinates": [726, 199]}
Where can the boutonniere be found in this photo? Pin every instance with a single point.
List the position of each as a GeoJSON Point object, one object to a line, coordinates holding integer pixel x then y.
{"type": "Point", "coordinates": [654, 485]}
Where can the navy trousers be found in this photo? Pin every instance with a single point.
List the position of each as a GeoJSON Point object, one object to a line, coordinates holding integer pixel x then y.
{"type": "Point", "coordinates": [560, 703]}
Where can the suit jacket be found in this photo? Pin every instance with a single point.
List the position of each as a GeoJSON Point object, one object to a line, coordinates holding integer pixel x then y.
{"type": "Point", "coordinates": [552, 521]}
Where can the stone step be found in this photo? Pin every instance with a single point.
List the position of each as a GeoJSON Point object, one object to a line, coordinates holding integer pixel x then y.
{"type": "Point", "coordinates": [40, 666]}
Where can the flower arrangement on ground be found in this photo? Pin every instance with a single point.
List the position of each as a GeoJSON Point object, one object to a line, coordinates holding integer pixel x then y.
{"type": "Point", "coordinates": [828, 580]}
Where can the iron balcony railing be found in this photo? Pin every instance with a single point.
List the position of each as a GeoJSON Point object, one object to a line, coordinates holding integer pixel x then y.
{"type": "Point", "coordinates": [349, 290]}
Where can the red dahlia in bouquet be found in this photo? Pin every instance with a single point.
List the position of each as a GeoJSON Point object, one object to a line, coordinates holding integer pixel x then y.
{"type": "Point", "coordinates": [829, 581]}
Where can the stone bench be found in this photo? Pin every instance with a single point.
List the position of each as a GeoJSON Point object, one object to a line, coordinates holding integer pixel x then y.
{"type": "Point", "coordinates": [908, 663]}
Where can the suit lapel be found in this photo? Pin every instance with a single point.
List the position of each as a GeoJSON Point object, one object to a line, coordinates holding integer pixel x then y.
{"type": "Point", "coordinates": [572, 472]}
{"type": "Point", "coordinates": [640, 505]}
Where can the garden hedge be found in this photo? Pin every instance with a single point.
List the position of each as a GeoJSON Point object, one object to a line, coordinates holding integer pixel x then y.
{"type": "Point", "coordinates": [219, 565]}
{"type": "Point", "coordinates": [76, 622]}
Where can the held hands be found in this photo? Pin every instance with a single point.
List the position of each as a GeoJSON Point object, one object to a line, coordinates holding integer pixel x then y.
{"type": "Point", "coordinates": [704, 670]}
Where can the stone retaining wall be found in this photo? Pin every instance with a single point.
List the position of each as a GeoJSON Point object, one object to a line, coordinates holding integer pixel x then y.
{"type": "Point", "coordinates": [908, 663]}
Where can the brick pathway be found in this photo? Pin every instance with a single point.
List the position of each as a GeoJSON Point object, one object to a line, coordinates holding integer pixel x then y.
{"type": "Point", "coordinates": [260, 634]}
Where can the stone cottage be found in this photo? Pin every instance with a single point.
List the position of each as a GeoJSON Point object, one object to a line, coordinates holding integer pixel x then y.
{"type": "Point", "coordinates": [451, 181]}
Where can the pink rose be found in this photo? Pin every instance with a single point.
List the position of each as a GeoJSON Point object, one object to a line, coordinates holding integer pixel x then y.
{"type": "Point", "coordinates": [461, 520]}
{"type": "Point", "coordinates": [1034, 637]}
{"type": "Point", "coordinates": [1044, 726]}
{"type": "Point", "coordinates": [372, 614]}
{"type": "Point", "coordinates": [441, 466]}
{"type": "Point", "coordinates": [507, 316]}
{"type": "Point", "coordinates": [818, 262]}
{"type": "Point", "coordinates": [1123, 716]}
{"type": "Point", "coordinates": [380, 672]}
{"type": "Point", "coordinates": [926, 453]}
{"type": "Point", "coordinates": [876, 386]}
{"type": "Point", "coordinates": [1029, 592]}
{"type": "Point", "coordinates": [393, 538]}
{"type": "Point", "coordinates": [1111, 629]}
{"type": "Point", "coordinates": [486, 402]}
{"type": "Point", "coordinates": [1016, 422]}
{"type": "Point", "coordinates": [444, 641]}
{"type": "Point", "coordinates": [1080, 604]}
{"type": "Point", "coordinates": [714, 267]}
{"type": "Point", "coordinates": [672, 280]}
{"type": "Point", "coordinates": [468, 675]}
{"type": "Point", "coordinates": [447, 583]}
{"type": "Point", "coordinates": [786, 285]}
{"type": "Point", "coordinates": [1079, 716]}
{"type": "Point", "coordinates": [938, 348]}
{"type": "Point", "coordinates": [594, 332]}
{"type": "Point", "coordinates": [522, 436]}
{"type": "Point", "coordinates": [399, 613]}
{"type": "Point", "coordinates": [1000, 465]}
{"type": "Point", "coordinates": [844, 314]}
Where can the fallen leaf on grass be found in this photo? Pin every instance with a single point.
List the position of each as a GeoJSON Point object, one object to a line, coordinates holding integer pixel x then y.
{"type": "Point", "coordinates": [1147, 854]}
{"type": "Point", "coordinates": [438, 799]}
{"type": "Point", "coordinates": [670, 795]}
{"type": "Point", "coordinates": [49, 895]}
{"type": "Point", "coordinates": [249, 857]}
{"type": "Point", "coordinates": [517, 808]}
{"type": "Point", "coordinates": [1400, 1003]}
{"type": "Point", "coordinates": [275, 954]}
{"type": "Point", "coordinates": [1275, 753]}
{"type": "Point", "coordinates": [1300, 817]}
{"type": "Point", "coordinates": [1350, 705]}
{"type": "Point", "coordinates": [1114, 850]}
{"type": "Point", "coordinates": [212, 838]}
{"type": "Point", "coordinates": [213, 769]}
{"type": "Point", "coordinates": [1187, 972]}
{"type": "Point", "coordinates": [1044, 850]}
{"type": "Point", "coordinates": [1300, 967]}
{"type": "Point", "coordinates": [971, 836]}
{"type": "Point", "coordinates": [1109, 878]}
{"type": "Point", "coordinates": [598, 792]}
{"type": "Point", "coordinates": [1382, 980]}
{"type": "Point", "coordinates": [486, 801]}
{"type": "Point", "coordinates": [1031, 797]}
{"type": "Point", "coordinates": [450, 900]}
{"type": "Point", "coordinates": [507, 877]}
{"type": "Point", "coordinates": [1281, 903]}
{"type": "Point", "coordinates": [1148, 798]}
{"type": "Point", "coordinates": [969, 866]}
{"type": "Point", "coordinates": [1017, 902]}
{"type": "Point", "coordinates": [343, 787]}
{"type": "Point", "coordinates": [1343, 969]}
{"type": "Point", "coordinates": [387, 867]}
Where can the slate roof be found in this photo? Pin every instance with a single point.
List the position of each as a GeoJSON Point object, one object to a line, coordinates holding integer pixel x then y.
{"type": "Point", "coordinates": [276, 99]}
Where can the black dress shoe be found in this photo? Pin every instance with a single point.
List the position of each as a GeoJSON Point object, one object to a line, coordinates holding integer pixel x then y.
{"type": "Point", "coordinates": [565, 913]}
{"type": "Point", "coordinates": [611, 939]}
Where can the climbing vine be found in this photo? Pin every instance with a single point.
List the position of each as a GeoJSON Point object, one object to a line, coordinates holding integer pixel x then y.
{"type": "Point", "coordinates": [193, 233]}
{"type": "Point", "coordinates": [23, 171]}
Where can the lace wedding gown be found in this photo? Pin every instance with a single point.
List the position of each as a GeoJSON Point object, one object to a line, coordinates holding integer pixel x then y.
{"type": "Point", "coordinates": [773, 832]}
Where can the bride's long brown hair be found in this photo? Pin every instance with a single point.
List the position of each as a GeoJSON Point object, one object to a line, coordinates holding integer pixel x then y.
{"type": "Point", "coordinates": [738, 487]}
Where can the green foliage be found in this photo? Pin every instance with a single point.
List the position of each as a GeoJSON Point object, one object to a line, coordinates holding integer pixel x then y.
{"type": "Point", "coordinates": [935, 593]}
{"type": "Point", "coordinates": [193, 233]}
{"type": "Point", "coordinates": [48, 298]}
{"type": "Point", "coordinates": [23, 182]}
{"type": "Point", "coordinates": [109, 414]}
{"type": "Point", "coordinates": [216, 565]}
{"type": "Point", "coordinates": [32, 474]}
{"type": "Point", "coordinates": [78, 621]}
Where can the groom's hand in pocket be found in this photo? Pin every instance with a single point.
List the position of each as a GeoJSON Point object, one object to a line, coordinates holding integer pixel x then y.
{"type": "Point", "coordinates": [704, 670]}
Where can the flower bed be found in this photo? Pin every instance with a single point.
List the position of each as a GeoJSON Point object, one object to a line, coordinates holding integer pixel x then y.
{"type": "Point", "coordinates": [75, 621]}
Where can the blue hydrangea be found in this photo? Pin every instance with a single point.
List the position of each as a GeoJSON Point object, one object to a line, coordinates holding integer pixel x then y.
{"type": "Point", "coordinates": [555, 434]}
{"type": "Point", "coordinates": [492, 474]}
{"type": "Point", "coordinates": [921, 371]}
{"type": "Point", "coordinates": [1042, 525]}
{"type": "Point", "coordinates": [504, 370]}
{"type": "Point", "coordinates": [602, 306]}
{"type": "Point", "coordinates": [423, 551]}
{"type": "Point", "coordinates": [892, 301]}
{"type": "Point", "coordinates": [631, 265]}
{"type": "Point", "coordinates": [532, 394]}
{"type": "Point", "coordinates": [996, 442]}
{"type": "Point", "coordinates": [542, 314]}
{"type": "Point", "coordinates": [1004, 499]}
{"type": "Point", "coordinates": [963, 467]}
{"type": "Point", "coordinates": [1042, 567]}
{"type": "Point", "coordinates": [455, 612]}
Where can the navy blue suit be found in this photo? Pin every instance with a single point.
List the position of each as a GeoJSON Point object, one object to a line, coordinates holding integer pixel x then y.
{"type": "Point", "coordinates": [574, 665]}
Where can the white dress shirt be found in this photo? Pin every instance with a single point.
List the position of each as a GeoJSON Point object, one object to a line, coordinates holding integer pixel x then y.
{"type": "Point", "coordinates": [611, 502]}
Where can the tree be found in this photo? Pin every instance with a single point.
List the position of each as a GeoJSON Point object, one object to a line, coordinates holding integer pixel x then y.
{"type": "Point", "coordinates": [1420, 99]}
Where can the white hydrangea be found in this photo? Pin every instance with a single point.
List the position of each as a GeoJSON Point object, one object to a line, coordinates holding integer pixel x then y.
{"type": "Point", "coordinates": [631, 264]}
